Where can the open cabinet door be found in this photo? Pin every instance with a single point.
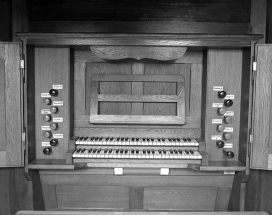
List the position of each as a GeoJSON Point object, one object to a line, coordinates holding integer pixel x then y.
{"type": "Point", "coordinates": [11, 111]}
{"type": "Point", "coordinates": [261, 150]}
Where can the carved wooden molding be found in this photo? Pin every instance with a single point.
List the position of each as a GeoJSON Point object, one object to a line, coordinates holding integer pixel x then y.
{"type": "Point", "coordinates": [138, 52]}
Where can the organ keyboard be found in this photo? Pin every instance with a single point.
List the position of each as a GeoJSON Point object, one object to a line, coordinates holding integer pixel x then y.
{"type": "Point", "coordinates": [121, 149]}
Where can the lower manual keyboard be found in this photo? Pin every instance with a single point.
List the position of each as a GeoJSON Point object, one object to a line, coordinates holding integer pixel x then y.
{"type": "Point", "coordinates": [114, 153]}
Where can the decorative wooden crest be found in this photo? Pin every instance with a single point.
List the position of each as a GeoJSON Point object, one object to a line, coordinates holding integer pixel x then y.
{"type": "Point", "coordinates": [138, 52]}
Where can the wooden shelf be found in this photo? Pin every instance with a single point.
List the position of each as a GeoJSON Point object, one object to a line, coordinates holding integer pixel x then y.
{"type": "Point", "coordinates": [50, 164]}
{"type": "Point", "coordinates": [219, 166]}
{"type": "Point", "coordinates": [92, 39]}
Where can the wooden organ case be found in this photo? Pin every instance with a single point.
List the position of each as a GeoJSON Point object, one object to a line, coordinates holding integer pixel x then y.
{"type": "Point", "coordinates": [142, 122]}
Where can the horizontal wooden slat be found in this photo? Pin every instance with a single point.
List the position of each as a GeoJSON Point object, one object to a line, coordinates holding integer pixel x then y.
{"type": "Point", "coordinates": [192, 122]}
{"type": "Point", "coordinates": [58, 177]}
{"type": "Point", "coordinates": [137, 119]}
{"type": "Point", "coordinates": [140, 27]}
{"type": "Point", "coordinates": [140, 39]}
{"type": "Point", "coordinates": [138, 78]}
{"type": "Point", "coordinates": [189, 57]}
{"type": "Point", "coordinates": [139, 131]}
{"type": "Point", "coordinates": [137, 98]}
{"type": "Point", "coordinates": [139, 52]}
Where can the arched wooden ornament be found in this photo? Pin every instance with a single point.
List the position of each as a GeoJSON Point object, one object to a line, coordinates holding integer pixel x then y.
{"type": "Point", "coordinates": [138, 52]}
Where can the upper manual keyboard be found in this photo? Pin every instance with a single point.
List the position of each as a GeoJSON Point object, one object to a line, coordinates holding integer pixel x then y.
{"type": "Point", "coordinates": [122, 141]}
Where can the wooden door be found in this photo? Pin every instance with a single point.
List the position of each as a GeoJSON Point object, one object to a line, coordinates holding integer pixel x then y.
{"type": "Point", "coordinates": [261, 150]}
{"type": "Point", "coordinates": [11, 151]}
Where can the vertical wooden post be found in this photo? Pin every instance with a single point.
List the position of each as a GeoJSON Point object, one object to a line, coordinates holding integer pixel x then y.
{"type": "Point", "coordinates": [258, 17]}
{"type": "Point", "coordinates": [19, 17]}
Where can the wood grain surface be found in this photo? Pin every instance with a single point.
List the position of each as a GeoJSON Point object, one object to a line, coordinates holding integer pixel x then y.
{"type": "Point", "coordinates": [11, 149]}
{"type": "Point", "coordinates": [140, 27]}
{"type": "Point", "coordinates": [52, 67]}
{"type": "Point", "coordinates": [224, 68]}
{"type": "Point", "coordinates": [171, 40]}
{"type": "Point", "coordinates": [138, 53]}
{"type": "Point", "coordinates": [87, 197]}
{"type": "Point", "coordinates": [262, 109]}
{"type": "Point", "coordinates": [180, 198]}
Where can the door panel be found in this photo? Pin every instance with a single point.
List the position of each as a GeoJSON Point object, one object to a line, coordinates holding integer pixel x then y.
{"type": "Point", "coordinates": [10, 106]}
{"type": "Point", "coordinates": [262, 118]}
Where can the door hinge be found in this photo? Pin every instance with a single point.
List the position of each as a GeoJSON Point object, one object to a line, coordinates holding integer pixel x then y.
{"type": "Point", "coordinates": [254, 66]}
{"type": "Point", "coordinates": [24, 139]}
{"type": "Point", "coordinates": [22, 64]}
{"type": "Point", "coordinates": [254, 70]}
{"type": "Point", "coordinates": [250, 143]}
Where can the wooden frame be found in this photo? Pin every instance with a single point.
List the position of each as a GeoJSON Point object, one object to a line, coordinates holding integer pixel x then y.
{"type": "Point", "coordinates": [137, 119]}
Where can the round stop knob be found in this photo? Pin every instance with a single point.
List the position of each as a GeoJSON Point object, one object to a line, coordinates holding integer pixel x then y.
{"type": "Point", "coordinates": [228, 103]}
{"type": "Point", "coordinates": [227, 136]}
{"type": "Point", "coordinates": [54, 142]}
{"type": "Point", "coordinates": [47, 151]}
{"type": "Point", "coordinates": [47, 134]}
{"type": "Point", "coordinates": [230, 154]}
{"type": "Point", "coordinates": [228, 119]}
{"type": "Point", "coordinates": [53, 92]}
{"type": "Point", "coordinates": [222, 94]}
{"type": "Point", "coordinates": [220, 127]}
{"type": "Point", "coordinates": [221, 111]}
{"type": "Point", "coordinates": [54, 109]}
{"type": "Point", "coordinates": [47, 101]}
{"type": "Point", "coordinates": [46, 117]}
{"type": "Point", "coordinates": [220, 144]}
{"type": "Point", "coordinates": [54, 126]}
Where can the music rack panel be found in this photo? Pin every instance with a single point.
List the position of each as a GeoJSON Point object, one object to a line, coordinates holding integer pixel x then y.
{"type": "Point", "coordinates": [95, 98]}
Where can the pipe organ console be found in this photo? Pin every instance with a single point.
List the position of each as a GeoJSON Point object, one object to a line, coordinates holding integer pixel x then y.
{"type": "Point", "coordinates": [142, 122]}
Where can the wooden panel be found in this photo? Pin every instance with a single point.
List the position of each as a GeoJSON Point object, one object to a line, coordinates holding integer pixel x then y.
{"type": "Point", "coordinates": [140, 27]}
{"type": "Point", "coordinates": [49, 196]}
{"type": "Point", "coordinates": [222, 199]}
{"type": "Point", "coordinates": [79, 88]}
{"type": "Point", "coordinates": [138, 78]}
{"type": "Point", "coordinates": [166, 88]}
{"type": "Point", "coordinates": [52, 67]}
{"type": "Point", "coordinates": [84, 56]}
{"type": "Point", "coordinates": [139, 131]}
{"type": "Point", "coordinates": [136, 119]}
{"type": "Point", "coordinates": [19, 18]}
{"type": "Point", "coordinates": [140, 52]}
{"type": "Point", "coordinates": [110, 88]}
{"type": "Point", "coordinates": [136, 197]}
{"type": "Point", "coordinates": [171, 40]}
{"type": "Point", "coordinates": [224, 68]}
{"type": "Point", "coordinates": [262, 146]}
{"type": "Point", "coordinates": [179, 198]}
{"type": "Point", "coordinates": [138, 98]}
{"type": "Point", "coordinates": [64, 177]}
{"type": "Point", "coordinates": [86, 197]}
{"type": "Point", "coordinates": [2, 103]}
{"type": "Point", "coordinates": [200, 11]}
{"type": "Point", "coordinates": [258, 18]}
{"type": "Point", "coordinates": [196, 89]}
{"type": "Point", "coordinates": [5, 195]}
{"type": "Point", "coordinates": [10, 105]}
{"type": "Point", "coordinates": [13, 106]}
{"type": "Point", "coordinates": [137, 89]}
{"type": "Point", "coordinates": [5, 17]}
